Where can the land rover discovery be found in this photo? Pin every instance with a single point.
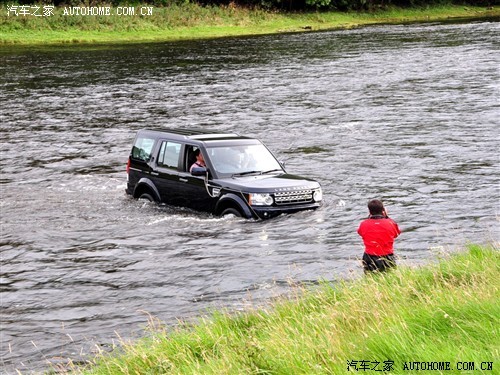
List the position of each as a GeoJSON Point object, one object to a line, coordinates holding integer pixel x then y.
{"type": "Point", "coordinates": [241, 177]}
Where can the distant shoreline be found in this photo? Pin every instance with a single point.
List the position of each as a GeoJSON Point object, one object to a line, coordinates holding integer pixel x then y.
{"type": "Point", "coordinates": [46, 25]}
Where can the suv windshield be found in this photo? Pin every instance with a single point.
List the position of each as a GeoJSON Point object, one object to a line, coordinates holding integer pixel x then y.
{"type": "Point", "coordinates": [243, 159]}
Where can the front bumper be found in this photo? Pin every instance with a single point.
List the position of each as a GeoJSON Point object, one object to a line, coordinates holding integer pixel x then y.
{"type": "Point", "coordinates": [267, 212]}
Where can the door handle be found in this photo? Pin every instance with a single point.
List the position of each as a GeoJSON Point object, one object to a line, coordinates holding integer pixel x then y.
{"type": "Point", "coordinates": [183, 179]}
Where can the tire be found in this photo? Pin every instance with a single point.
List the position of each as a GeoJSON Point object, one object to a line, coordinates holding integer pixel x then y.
{"type": "Point", "coordinates": [146, 197]}
{"type": "Point", "coordinates": [231, 211]}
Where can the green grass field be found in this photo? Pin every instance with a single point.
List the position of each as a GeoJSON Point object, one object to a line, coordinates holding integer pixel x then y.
{"type": "Point", "coordinates": [192, 21]}
{"type": "Point", "coordinates": [447, 314]}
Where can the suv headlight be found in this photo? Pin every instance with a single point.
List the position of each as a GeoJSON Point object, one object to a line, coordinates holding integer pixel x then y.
{"type": "Point", "coordinates": [258, 199]}
{"type": "Point", "coordinates": [318, 195]}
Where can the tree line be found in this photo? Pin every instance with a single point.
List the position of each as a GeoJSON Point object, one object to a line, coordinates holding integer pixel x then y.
{"type": "Point", "coordinates": [285, 5]}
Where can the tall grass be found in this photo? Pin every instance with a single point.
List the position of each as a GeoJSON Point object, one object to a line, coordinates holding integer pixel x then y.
{"type": "Point", "coordinates": [446, 312]}
{"type": "Point", "coordinates": [192, 21]}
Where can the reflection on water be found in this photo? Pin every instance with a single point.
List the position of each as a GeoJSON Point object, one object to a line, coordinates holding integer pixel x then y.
{"type": "Point", "coordinates": [403, 113]}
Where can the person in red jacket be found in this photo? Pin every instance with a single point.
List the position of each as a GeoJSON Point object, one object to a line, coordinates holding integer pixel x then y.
{"type": "Point", "coordinates": [378, 233]}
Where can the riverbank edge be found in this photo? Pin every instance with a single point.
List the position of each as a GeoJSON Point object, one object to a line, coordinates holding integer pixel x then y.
{"type": "Point", "coordinates": [219, 22]}
{"type": "Point", "coordinates": [409, 315]}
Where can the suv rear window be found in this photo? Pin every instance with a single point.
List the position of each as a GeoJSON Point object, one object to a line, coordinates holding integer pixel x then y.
{"type": "Point", "coordinates": [142, 148]}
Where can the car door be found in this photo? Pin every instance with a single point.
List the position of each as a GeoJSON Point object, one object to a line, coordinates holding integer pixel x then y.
{"type": "Point", "coordinates": [166, 173]}
{"type": "Point", "coordinates": [194, 190]}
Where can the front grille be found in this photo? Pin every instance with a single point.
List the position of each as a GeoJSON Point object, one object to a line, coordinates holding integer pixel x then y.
{"type": "Point", "coordinates": [293, 197]}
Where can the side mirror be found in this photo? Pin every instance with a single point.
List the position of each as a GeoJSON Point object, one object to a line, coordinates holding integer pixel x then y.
{"type": "Point", "coordinates": [199, 171]}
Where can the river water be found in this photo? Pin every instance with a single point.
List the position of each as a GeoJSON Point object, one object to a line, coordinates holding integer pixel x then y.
{"type": "Point", "coordinates": [408, 114]}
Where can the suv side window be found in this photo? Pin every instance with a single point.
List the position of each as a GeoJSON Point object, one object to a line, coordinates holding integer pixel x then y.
{"type": "Point", "coordinates": [142, 148]}
{"type": "Point", "coordinates": [189, 157]}
{"type": "Point", "coordinates": [169, 155]}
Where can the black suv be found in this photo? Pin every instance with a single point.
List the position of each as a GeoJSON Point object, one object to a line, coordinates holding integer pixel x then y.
{"type": "Point", "coordinates": [241, 177]}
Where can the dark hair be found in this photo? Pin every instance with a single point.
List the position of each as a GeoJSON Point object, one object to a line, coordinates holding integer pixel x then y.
{"type": "Point", "coordinates": [196, 152]}
{"type": "Point", "coordinates": [376, 207]}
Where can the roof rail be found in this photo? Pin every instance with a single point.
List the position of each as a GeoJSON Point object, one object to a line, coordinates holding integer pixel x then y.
{"type": "Point", "coordinates": [214, 135]}
{"type": "Point", "coordinates": [197, 133]}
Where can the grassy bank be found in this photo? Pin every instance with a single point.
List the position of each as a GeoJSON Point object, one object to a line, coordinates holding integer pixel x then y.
{"type": "Point", "coordinates": [191, 21]}
{"type": "Point", "coordinates": [446, 312]}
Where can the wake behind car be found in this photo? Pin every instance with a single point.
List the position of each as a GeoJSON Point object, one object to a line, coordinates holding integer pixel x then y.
{"type": "Point", "coordinates": [240, 177]}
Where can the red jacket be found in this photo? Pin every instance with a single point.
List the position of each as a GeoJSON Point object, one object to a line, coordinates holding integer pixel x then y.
{"type": "Point", "coordinates": [378, 235]}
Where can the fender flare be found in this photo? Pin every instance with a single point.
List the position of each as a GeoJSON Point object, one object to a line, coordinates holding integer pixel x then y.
{"type": "Point", "coordinates": [235, 200]}
{"type": "Point", "coordinates": [150, 186]}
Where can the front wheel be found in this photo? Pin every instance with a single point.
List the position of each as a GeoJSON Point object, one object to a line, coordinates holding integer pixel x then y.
{"type": "Point", "coordinates": [231, 211]}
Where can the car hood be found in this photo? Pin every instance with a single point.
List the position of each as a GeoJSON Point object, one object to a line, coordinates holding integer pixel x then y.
{"type": "Point", "coordinates": [267, 183]}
